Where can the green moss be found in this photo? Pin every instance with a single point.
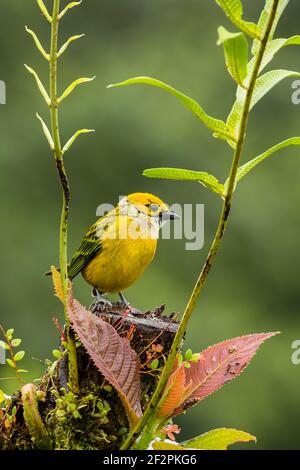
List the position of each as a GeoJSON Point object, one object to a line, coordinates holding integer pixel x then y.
{"type": "Point", "coordinates": [84, 422]}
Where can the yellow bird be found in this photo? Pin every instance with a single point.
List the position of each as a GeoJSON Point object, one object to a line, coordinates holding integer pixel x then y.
{"type": "Point", "coordinates": [120, 245]}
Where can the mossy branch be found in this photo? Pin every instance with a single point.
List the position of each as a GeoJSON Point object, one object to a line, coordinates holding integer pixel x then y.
{"type": "Point", "coordinates": [145, 429]}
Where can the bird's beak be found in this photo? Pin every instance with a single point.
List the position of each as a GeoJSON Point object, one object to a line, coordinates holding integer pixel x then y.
{"type": "Point", "coordinates": [169, 215]}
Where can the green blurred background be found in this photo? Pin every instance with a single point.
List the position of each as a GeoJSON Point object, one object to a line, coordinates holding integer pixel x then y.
{"type": "Point", "coordinates": [254, 285]}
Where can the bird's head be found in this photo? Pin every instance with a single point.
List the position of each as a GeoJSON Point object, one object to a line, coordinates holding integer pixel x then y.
{"type": "Point", "coordinates": [145, 204]}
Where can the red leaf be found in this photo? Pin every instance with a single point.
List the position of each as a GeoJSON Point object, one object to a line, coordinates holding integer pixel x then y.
{"type": "Point", "coordinates": [111, 354]}
{"type": "Point", "coordinates": [218, 365]}
{"type": "Point", "coordinates": [174, 390]}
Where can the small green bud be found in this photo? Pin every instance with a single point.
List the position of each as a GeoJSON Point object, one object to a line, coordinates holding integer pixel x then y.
{"type": "Point", "coordinates": [188, 355]}
{"type": "Point", "coordinates": [56, 353]}
{"type": "Point", "coordinates": [195, 357]}
{"type": "Point", "coordinates": [9, 334]}
{"type": "Point", "coordinates": [154, 364]}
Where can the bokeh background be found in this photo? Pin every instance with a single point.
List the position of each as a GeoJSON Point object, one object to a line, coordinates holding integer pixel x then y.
{"type": "Point", "coordinates": [254, 285]}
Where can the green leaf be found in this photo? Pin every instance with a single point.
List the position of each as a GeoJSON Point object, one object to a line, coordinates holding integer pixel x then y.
{"type": "Point", "coordinates": [154, 364]}
{"type": "Point", "coordinates": [266, 82]}
{"type": "Point", "coordinates": [195, 357]}
{"type": "Point", "coordinates": [74, 137]}
{"type": "Point", "coordinates": [263, 20]}
{"type": "Point", "coordinates": [280, 9]}
{"type": "Point", "coordinates": [46, 131]}
{"type": "Point", "coordinates": [70, 5]}
{"type": "Point", "coordinates": [4, 345]}
{"type": "Point", "coordinates": [218, 127]}
{"type": "Point", "coordinates": [73, 85]}
{"type": "Point", "coordinates": [9, 334]}
{"type": "Point", "coordinates": [236, 53]}
{"type": "Point", "coordinates": [166, 445]}
{"type": "Point", "coordinates": [234, 120]}
{"type": "Point", "coordinates": [244, 169]}
{"type": "Point", "coordinates": [271, 49]}
{"type": "Point", "coordinates": [218, 439]}
{"type": "Point", "coordinates": [39, 84]}
{"type": "Point", "coordinates": [56, 353]}
{"type": "Point", "coordinates": [16, 342]}
{"type": "Point", "coordinates": [188, 355]}
{"type": "Point", "coordinates": [2, 396]}
{"type": "Point", "coordinates": [207, 180]}
{"type": "Point", "coordinates": [19, 355]}
{"type": "Point", "coordinates": [11, 363]}
{"type": "Point", "coordinates": [263, 85]}
{"type": "Point", "coordinates": [234, 10]}
{"type": "Point", "coordinates": [275, 46]}
{"type": "Point", "coordinates": [67, 43]}
{"type": "Point", "coordinates": [44, 10]}
{"type": "Point", "coordinates": [38, 43]}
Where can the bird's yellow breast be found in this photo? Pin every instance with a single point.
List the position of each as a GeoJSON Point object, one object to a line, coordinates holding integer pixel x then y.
{"type": "Point", "coordinates": [121, 260]}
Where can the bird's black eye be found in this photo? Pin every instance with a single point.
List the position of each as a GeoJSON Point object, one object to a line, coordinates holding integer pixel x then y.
{"type": "Point", "coordinates": [154, 207]}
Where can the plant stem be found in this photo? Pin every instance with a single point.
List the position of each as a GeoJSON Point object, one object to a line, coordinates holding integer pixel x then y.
{"type": "Point", "coordinates": [142, 426]}
{"type": "Point", "coordinates": [63, 237]}
{"type": "Point", "coordinates": [32, 418]}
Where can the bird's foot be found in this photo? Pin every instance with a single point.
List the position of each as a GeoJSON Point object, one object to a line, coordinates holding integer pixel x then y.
{"type": "Point", "coordinates": [101, 303]}
{"type": "Point", "coordinates": [123, 301]}
{"type": "Point", "coordinates": [122, 304]}
{"type": "Point", "coordinates": [125, 306]}
{"type": "Point", "coordinates": [104, 302]}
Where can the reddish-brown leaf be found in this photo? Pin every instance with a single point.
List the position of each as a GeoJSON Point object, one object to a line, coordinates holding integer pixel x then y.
{"type": "Point", "coordinates": [173, 394]}
{"type": "Point", "coordinates": [218, 365]}
{"type": "Point", "coordinates": [112, 355]}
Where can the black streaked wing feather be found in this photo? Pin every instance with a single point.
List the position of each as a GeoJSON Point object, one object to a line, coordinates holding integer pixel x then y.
{"type": "Point", "coordinates": [90, 247]}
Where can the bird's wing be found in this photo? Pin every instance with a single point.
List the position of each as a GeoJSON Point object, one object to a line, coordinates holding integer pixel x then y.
{"type": "Point", "coordinates": [90, 247]}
